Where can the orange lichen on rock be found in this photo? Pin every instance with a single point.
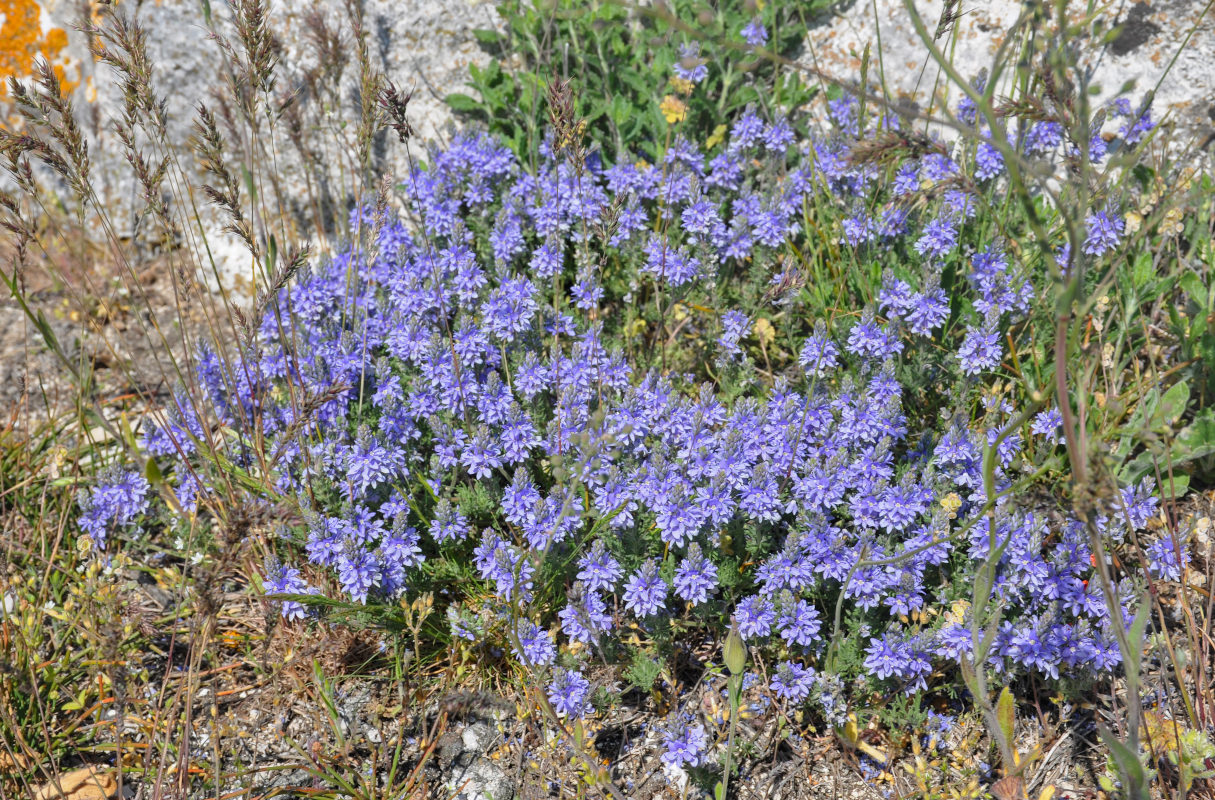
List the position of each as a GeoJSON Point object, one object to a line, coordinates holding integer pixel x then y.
{"type": "Point", "coordinates": [22, 40]}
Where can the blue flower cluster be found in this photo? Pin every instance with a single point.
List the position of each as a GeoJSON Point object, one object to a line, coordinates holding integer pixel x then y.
{"type": "Point", "coordinates": [473, 344]}
{"type": "Point", "coordinates": [115, 501]}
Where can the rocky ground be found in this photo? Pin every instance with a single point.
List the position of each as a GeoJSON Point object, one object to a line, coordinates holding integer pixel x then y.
{"type": "Point", "coordinates": [264, 712]}
{"type": "Point", "coordinates": [1163, 46]}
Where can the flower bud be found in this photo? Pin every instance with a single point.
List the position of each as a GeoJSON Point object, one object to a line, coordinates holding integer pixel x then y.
{"type": "Point", "coordinates": [735, 652]}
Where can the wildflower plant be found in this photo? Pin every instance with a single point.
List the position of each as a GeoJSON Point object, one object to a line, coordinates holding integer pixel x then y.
{"type": "Point", "coordinates": [802, 382]}
{"type": "Point", "coordinates": [486, 396]}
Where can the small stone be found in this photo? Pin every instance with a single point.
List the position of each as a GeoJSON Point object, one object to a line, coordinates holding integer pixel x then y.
{"type": "Point", "coordinates": [483, 780]}
{"type": "Point", "coordinates": [478, 738]}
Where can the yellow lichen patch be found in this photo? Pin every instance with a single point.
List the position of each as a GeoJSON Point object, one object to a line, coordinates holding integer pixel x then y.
{"type": "Point", "coordinates": [22, 40]}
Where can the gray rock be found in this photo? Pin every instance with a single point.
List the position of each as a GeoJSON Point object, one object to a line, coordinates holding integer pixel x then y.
{"type": "Point", "coordinates": [1151, 34]}
{"type": "Point", "coordinates": [478, 738]}
{"type": "Point", "coordinates": [469, 774]}
{"type": "Point", "coordinates": [481, 780]}
{"type": "Point", "coordinates": [423, 46]}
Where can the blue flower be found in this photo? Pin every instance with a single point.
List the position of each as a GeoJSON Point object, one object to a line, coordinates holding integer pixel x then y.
{"type": "Point", "coordinates": [1137, 122]}
{"type": "Point", "coordinates": [684, 744]}
{"type": "Point", "coordinates": [585, 621]}
{"type": "Point", "coordinates": [695, 577]}
{"type": "Point", "coordinates": [754, 33]}
{"type": "Point", "coordinates": [281, 579]}
{"type": "Point", "coordinates": [735, 325]}
{"type": "Point", "coordinates": [1043, 137]}
{"type": "Point", "coordinates": [358, 572]}
{"type": "Point", "coordinates": [568, 692]}
{"type": "Point", "coordinates": [799, 623]}
{"type": "Point", "coordinates": [819, 355]}
{"type": "Point", "coordinates": [1048, 424]}
{"type": "Point", "coordinates": [1104, 233]}
{"type": "Point", "coordinates": [505, 565]}
{"type": "Point", "coordinates": [938, 239]}
{"type": "Point", "coordinates": [481, 455]}
{"type": "Point", "coordinates": [1163, 559]}
{"type": "Point", "coordinates": [448, 523]}
{"type": "Point", "coordinates": [442, 375]}
{"type": "Point", "coordinates": [755, 616]}
{"type": "Point", "coordinates": [989, 162]}
{"type": "Point", "coordinates": [779, 136]}
{"type": "Point", "coordinates": [115, 501]}
{"type": "Point", "coordinates": [792, 682]}
{"type": "Point", "coordinates": [690, 66]}
{"type": "Point", "coordinates": [537, 644]}
{"type": "Point", "coordinates": [893, 656]}
{"type": "Point", "coordinates": [980, 351]}
{"type": "Point", "coordinates": [645, 592]}
{"type": "Point", "coordinates": [927, 312]}
{"type": "Point", "coordinates": [746, 131]}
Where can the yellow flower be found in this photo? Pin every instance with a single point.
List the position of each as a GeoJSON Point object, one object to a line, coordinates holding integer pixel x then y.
{"type": "Point", "coordinates": [957, 613]}
{"type": "Point", "coordinates": [1133, 221]}
{"type": "Point", "coordinates": [764, 332]}
{"type": "Point", "coordinates": [951, 503]}
{"type": "Point", "coordinates": [718, 136]}
{"type": "Point", "coordinates": [682, 86]}
{"type": "Point", "coordinates": [1172, 222]}
{"type": "Point", "coordinates": [673, 109]}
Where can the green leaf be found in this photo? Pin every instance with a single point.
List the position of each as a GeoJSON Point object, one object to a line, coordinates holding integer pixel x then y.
{"type": "Point", "coordinates": [1172, 405]}
{"type": "Point", "coordinates": [271, 256]}
{"type": "Point", "coordinates": [46, 331]}
{"type": "Point", "coordinates": [1143, 173]}
{"type": "Point", "coordinates": [597, 110]}
{"type": "Point", "coordinates": [1175, 487]}
{"type": "Point", "coordinates": [250, 184]}
{"type": "Point", "coordinates": [1006, 715]}
{"type": "Point", "coordinates": [1135, 635]}
{"type": "Point", "coordinates": [1198, 438]}
{"type": "Point", "coordinates": [487, 36]}
{"type": "Point", "coordinates": [1193, 286]}
{"type": "Point", "coordinates": [1129, 766]}
{"type": "Point", "coordinates": [1142, 271]}
{"type": "Point", "coordinates": [462, 103]}
{"type": "Point", "coordinates": [620, 110]}
{"type": "Point", "coordinates": [128, 435]}
{"type": "Point", "coordinates": [1195, 441]}
{"type": "Point", "coordinates": [1198, 326]}
{"type": "Point", "coordinates": [152, 472]}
